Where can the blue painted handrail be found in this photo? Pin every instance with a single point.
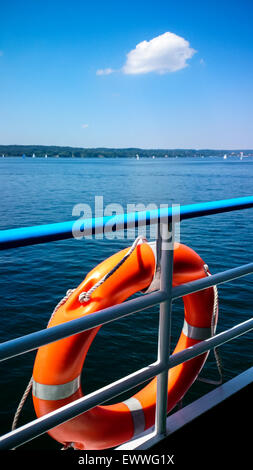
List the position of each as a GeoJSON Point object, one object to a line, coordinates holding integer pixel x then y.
{"type": "Point", "coordinates": [13, 238]}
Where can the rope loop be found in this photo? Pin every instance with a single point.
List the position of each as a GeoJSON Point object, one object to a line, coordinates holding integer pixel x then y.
{"type": "Point", "coordinates": [215, 350]}
{"type": "Point", "coordinates": [85, 296]}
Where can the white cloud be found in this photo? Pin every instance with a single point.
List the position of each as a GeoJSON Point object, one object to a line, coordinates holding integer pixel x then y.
{"type": "Point", "coordinates": [162, 54]}
{"type": "Point", "coordinates": [84, 126]}
{"type": "Point", "coordinates": [107, 71]}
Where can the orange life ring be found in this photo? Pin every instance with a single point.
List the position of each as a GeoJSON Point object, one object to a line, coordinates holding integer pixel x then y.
{"type": "Point", "coordinates": [58, 366]}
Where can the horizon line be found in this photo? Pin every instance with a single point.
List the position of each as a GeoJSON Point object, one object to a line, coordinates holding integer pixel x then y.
{"type": "Point", "coordinates": [130, 148]}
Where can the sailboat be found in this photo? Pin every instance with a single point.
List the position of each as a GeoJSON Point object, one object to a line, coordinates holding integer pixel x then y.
{"type": "Point", "coordinates": [225, 157]}
{"type": "Point", "coordinates": [137, 157]}
{"type": "Point", "coordinates": [33, 155]}
{"type": "Point", "coordinates": [46, 156]}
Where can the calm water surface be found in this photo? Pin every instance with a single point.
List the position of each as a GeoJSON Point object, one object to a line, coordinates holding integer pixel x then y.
{"type": "Point", "coordinates": [34, 279]}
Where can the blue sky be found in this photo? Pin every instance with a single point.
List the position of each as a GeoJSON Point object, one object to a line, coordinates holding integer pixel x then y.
{"type": "Point", "coordinates": [150, 74]}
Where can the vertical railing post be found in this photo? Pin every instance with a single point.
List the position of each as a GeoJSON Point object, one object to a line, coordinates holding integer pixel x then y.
{"type": "Point", "coordinates": [164, 334]}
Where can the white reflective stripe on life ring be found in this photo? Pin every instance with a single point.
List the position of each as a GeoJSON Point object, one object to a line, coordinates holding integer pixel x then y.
{"type": "Point", "coordinates": [137, 414]}
{"type": "Point", "coordinates": [196, 332]}
{"type": "Point", "coordinates": [55, 392]}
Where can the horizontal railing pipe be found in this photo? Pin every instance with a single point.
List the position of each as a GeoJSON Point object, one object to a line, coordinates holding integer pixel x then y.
{"type": "Point", "coordinates": [43, 424]}
{"type": "Point", "coordinates": [215, 279]}
{"type": "Point", "coordinates": [17, 237]}
{"type": "Point", "coordinates": [17, 346]}
{"type": "Point", "coordinates": [211, 343]}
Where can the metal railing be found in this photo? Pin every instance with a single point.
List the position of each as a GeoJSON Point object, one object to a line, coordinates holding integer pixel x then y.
{"type": "Point", "coordinates": [165, 297]}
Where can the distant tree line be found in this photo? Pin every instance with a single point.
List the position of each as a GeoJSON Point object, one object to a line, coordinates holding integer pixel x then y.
{"type": "Point", "coordinates": [76, 152]}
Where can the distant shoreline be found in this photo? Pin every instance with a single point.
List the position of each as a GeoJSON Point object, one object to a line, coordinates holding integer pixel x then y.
{"type": "Point", "coordinates": [38, 151]}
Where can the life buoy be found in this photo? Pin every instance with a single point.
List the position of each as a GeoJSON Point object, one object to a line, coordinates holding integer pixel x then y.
{"type": "Point", "coordinates": [58, 366]}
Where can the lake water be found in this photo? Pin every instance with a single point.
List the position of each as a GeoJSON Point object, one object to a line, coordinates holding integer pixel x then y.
{"type": "Point", "coordinates": [35, 278]}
